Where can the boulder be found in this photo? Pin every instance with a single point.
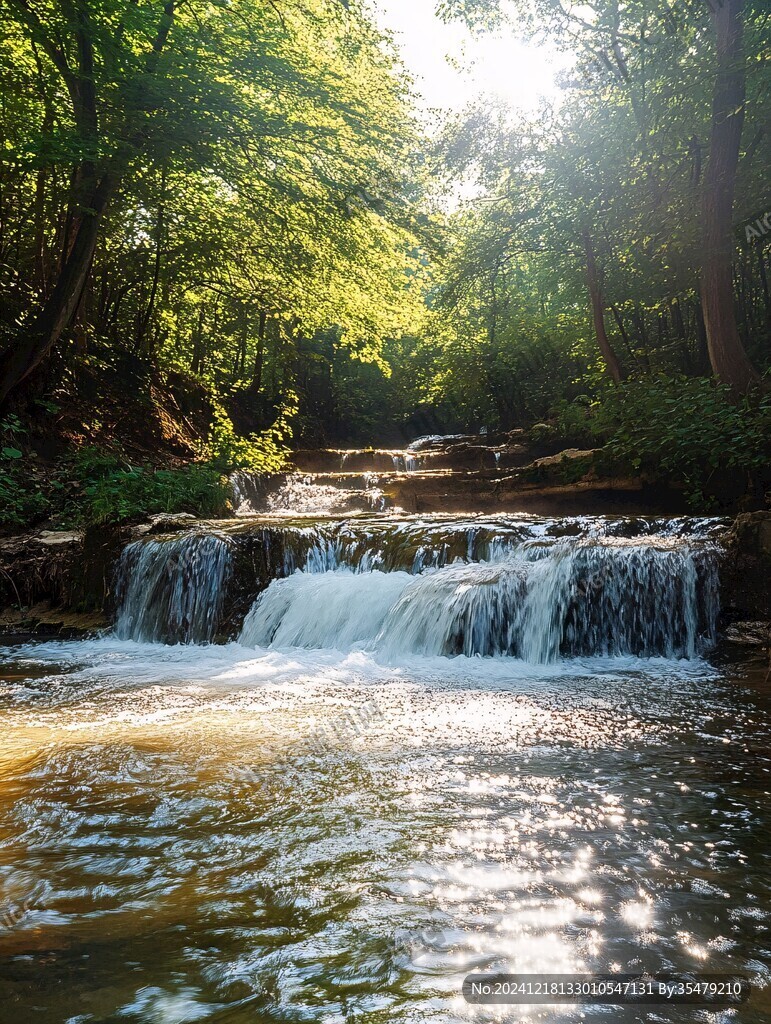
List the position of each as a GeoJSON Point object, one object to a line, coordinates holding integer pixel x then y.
{"type": "Point", "coordinates": [746, 570]}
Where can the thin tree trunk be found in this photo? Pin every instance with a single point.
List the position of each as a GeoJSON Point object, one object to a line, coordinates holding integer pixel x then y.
{"type": "Point", "coordinates": [726, 353]}
{"type": "Point", "coordinates": [91, 193]}
{"type": "Point", "coordinates": [624, 335]}
{"type": "Point", "coordinates": [259, 354]}
{"type": "Point", "coordinates": [196, 364]}
{"type": "Point", "coordinates": [702, 348]}
{"type": "Point", "coordinates": [147, 316]}
{"type": "Point", "coordinates": [598, 312]}
{"type": "Point", "coordinates": [37, 340]}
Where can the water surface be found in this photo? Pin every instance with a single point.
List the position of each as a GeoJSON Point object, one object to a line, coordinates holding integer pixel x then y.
{"type": "Point", "coordinates": [238, 835]}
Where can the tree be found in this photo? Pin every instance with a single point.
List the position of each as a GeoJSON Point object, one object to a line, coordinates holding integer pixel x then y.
{"type": "Point", "coordinates": [199, 160]}
{"type": "Point", "coordinates": [660, 62]}
{"type": "Point", "coordinates": [726, 352]}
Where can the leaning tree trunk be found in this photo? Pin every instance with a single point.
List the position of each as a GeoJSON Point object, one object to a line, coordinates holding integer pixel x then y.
{"type": "Point", "coordinates": [726, 353]}
{"type": "Point", "coordinates": [598, 311]}
{"type": "Point", "coordinates": [39, 337]}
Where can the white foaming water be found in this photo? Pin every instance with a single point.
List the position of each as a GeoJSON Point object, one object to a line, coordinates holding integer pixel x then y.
{"type": "Point", "coordinates": [517, 587]}
{"type": "Point", "coordinates": [433, 440]}
{"type": "Point", "coordinates": [304, 494]}
{"type": "Point", "coordinates": [171, 589]}
{"type": "Point", "coordinates": [538, 602]}
{"type": "Point", "coordinates": [336, 609]}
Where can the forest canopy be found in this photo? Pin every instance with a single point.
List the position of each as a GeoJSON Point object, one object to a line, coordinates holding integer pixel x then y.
{"type": "Point", "coordinates": [202, 184]}
{"type": "Point", "coordinates": [239, 201]}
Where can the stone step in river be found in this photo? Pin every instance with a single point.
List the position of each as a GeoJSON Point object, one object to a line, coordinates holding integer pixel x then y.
{"type": "Point", "coordinates": [438, 474]}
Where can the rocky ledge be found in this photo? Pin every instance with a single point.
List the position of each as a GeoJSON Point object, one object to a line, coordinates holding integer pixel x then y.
{"type": "Point", "coordinates": [62, 581]}
{"type": "Point", "coordinates": [746, 573]}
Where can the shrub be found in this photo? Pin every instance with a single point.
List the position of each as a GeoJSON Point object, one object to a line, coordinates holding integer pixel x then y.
{"type": "Point", "coordinates": [111, 491]}
{"type": "Point", "coordinates": [573, 421]}
{"type": "Point", "coordinates": [689, 430]}
{"type": "Point", "coordinates": [259, 453]}
{"type": "Point", "coordinates": [22, 500]}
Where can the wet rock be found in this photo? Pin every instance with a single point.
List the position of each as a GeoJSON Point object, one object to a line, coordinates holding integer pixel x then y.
{"type": "Point", "coordinates": [746, 570]}
{"type": "Point", "coordinates": [165, 522]}
{"type": "Point", "coordinates": [55, 538]}
{"type": "Point", "coordinates": [65, 570]}
{"type": "Point", "coordinates": [749, 634]}
{"type": "Point", "coordinates": [44, 619]}
{"type": "Point", "coordinates": [568, 454]}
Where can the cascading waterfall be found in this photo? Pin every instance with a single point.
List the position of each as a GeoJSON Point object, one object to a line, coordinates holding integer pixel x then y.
{"type": "Point", "coordinates": [171, 590]}
{"type": "Point", "coordinates": [525, 587]}
{"type": "Point", "coordinates": [540, 602]}
{"type": "Point", "coordinates": [305, 494]}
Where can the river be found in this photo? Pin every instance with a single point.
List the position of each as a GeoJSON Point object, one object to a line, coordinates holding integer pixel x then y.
{"type": "Point", "coordinates": [430, 746]}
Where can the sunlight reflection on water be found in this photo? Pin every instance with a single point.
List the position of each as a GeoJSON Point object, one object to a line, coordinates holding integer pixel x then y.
{"type": "Point", "coordinates": [201, 861]}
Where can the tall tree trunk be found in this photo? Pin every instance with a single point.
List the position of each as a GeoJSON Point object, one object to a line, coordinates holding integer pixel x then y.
{"type": "Point", "coordinates": [196, 363]}
{"type": "Point", "coordinates": [146, 317]}
{"type": "Point", "coordinates": [259, 355]}
{"type": "Point", "coordinates": [702, 348]}
{"type": "Point", "coordinates": [598, 311]}
{"type": "Point", "coordinates": [624, 335]}
{"type": "Point", "coordinates": [726, 353]}
{"type": "Point", "coordinates": [37, 340]}
{"type": "Point", "coordinates": [92, 189]}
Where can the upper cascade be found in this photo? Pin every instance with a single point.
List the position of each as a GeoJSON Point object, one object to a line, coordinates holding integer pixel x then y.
{"type": "Point", "coordinates": [340, 481]}
{"type": "Point", "coordinates": [457, 473]}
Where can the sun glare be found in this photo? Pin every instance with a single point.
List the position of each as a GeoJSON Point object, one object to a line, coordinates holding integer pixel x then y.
{"type": "Point", "coordinates": [452, 67]}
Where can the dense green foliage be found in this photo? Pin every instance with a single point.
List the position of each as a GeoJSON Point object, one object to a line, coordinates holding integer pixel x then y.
{"type": "Point", "coordinates": [108, 490]}
{"type": "Point", "coordinates": [617, 170]}
{"type": "Point", "coordinates": [21, 498]}
{"type": "Point", "coordinates": [237, 199]}
{"type": "Point", "coordinates": [690, 430]}
{"type": "Point", "coordinates": [100, 486]}
{"type": "Point", "coordinates": [261, 170]}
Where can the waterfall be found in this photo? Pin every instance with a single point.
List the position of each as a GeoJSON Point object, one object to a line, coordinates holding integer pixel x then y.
{"type": "Point", "coordinates": [305, 494]}
{"type": "Point", "coordinates": [543, 601]}
{"type": "Point", "coordinates": [172, 589]}
{"type": "Point", "coordinates": [333, 609]}
{"type": "Point", "coordinates": [525, 587]}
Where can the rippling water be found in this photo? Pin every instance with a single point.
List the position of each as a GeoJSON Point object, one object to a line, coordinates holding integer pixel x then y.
{"type": "Point", "coordinates": [223, 834]}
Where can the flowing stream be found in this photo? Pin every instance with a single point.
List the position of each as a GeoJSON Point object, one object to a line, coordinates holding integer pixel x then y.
{"type": "Point", "coordinates": [322, 769]}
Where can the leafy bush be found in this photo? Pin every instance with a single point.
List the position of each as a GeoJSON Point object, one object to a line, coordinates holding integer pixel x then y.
{"type": "Point", "coordinates": [101, 485]}
{"type": "Point", "coordinates": [573, 421]}
{"type": "Point", "coordinates": [540, 432]}
{"type": "Point", "coordinates": [22, 500]}
{"type": "Point", "coordinates": [689, 430]}
{"type": "Point", "coordinates": [20, 503]}
{"type": "Point", "coordinates": [108, 490]}
{"type": "Point", "coordinates": [259, 453]}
